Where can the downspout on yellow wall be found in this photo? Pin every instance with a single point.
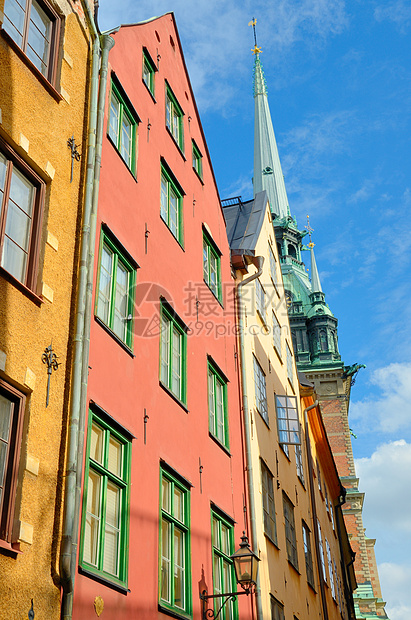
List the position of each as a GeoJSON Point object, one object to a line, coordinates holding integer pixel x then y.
{"type": "Point", "coordinates": [77, 414]}
{"type": "Point", "coordinates": [258, 261]}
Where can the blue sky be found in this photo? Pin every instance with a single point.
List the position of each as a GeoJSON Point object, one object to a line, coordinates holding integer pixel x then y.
{"type": "Point", "coordinates": [338, 76]}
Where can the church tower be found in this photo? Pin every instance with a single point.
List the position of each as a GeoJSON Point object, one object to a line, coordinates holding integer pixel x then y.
{"type": "Point", "coordinates": [315, 340]}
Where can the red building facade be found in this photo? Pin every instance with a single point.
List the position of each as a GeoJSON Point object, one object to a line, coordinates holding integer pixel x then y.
{"type": "Point", "coordinates": [163, 493]}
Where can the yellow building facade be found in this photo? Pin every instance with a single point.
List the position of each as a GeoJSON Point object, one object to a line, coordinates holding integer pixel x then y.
{"type": "Point", "coordinates": [292, 526]}
{"type": "Point", "coordinates": [44, 52]}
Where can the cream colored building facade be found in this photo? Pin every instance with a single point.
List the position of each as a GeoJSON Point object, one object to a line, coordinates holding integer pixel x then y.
{"type": "Point", "coordinates": [284, 527]}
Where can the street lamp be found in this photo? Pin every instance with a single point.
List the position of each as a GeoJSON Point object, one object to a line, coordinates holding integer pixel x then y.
{"type": "Point", "coordinates": [245, 563]}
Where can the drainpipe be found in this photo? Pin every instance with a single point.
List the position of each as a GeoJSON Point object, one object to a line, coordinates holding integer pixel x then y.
{"type": "Point", "coordinates": [71, 509]}
{"type": "Point", "coordinates": [347, 591]}
{"type": "Point", "coordinates": [314, 510]}
{"type": "Point", "coordinates": [258, 261]}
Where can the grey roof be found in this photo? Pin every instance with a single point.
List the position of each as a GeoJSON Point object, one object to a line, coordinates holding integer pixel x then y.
{"type": "Point", "coordinates": [244, 221]}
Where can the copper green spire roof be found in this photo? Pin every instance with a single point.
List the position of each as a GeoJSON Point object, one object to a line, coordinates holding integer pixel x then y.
{"type": "Point", "coordinates": [268, 174]}
{"type": "Point", "coordinates": [315, 278]}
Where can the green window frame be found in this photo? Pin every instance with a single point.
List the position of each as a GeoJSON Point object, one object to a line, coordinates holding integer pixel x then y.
{"type": "Point", "coordinates": [173, 353]}
{"type": "Point", "coordinates": [174, 118]}
{"type": "Point", "coordinates": [149, 71]}
{"type": "Point", "coordinates": [115, 290]}
{"type": "Point", "coordinates": [217, 404]}
{"type": "Point", "coordinates": [270, 523]}
{"type": "Point", "coordinates": [223, 569]}
{"type": "Point", "coordinates": [171, 203]}
{"type": "Point", "coordinates": [197, 160]}
{"type": "Point", "coordinates": [212, 266]}
{"type": "Point", "coordinates": [174, 561]}
{"type": "Point", "coordinates": [122, 125]}
{"type": "Point", "coordinates": [290, 535]}
{"type": "Point", "coordinates": [106, 501]}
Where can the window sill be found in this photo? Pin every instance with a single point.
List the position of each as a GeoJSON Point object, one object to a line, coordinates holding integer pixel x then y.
{"type": "Point", "coordinates": [287, 456]}
{"type": "Point", "coordinates": [171, 232]}
{"type": "Point", "coordinates": [219, 444]}
{"type": "Point", "coordinates": [114, 336]}
{"type": "Point", "coordinates": [176, 143]}
{"type": "Point", "coordinates": [103, 580]}
{"type": "Point", "coordinates": [149, 91]}
{"type": "Point", "coordinates": [122, 159]}
{"type": "Point", "coordinates": [272, 541]}
{"type": "Point", "coordinates": [214, 295]}
{"type": "Point", "coordinates": [22, 287]}
{"type": "Point", "coordinates": [173, 396]}
{"type": "Point", "coordinates": [263, 318]}
{"type": "Point", "coordinates": [42, 79]}
{"type": "Point", "coordinates": [275, 287]}
{"type": "Point", "coordinates": [198, 176]}
{"type": "Point", "coordinates": [173, 613]}
{"type": "Point", "coordinates": [302, 482]}
{"type": "Point", "coordinates": [278, 355]}
{"type": "Point", "coordinates": [10, 549]}
{"type": "Point", "coordinates": [296, 569]}
{"type": "Point", "coordinates": [263, 418]}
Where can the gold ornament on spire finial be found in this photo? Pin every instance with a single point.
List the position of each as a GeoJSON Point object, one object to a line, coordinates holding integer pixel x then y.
{"type": "Point", "coordinates": [310, 230]}
{"type": "Point", "coordinates": [255, 49]}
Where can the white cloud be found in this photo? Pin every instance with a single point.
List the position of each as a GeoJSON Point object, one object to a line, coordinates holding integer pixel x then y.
{"type": "Point", "coordinates": [398, 12]}
{"type": "Point", "coordinates": [385, 476]}
{"type": "Point", "coordinates": [364, 192]}
{"type": "Point", "coordinates": [242, 186]}
{"type": "Point", "coordinates": [395, 581]}
{"type": "Point", "coordinates": [217, 40]}
{"type": "Point", "coordinates": [390, 411]}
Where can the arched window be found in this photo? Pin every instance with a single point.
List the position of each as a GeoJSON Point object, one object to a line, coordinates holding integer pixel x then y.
{"type": "Point", "coordinates": [280, 250]}
{"type": "Point", "coordinates": [323, 340]}
{"type": "Point", "coordinates": [292, 251]}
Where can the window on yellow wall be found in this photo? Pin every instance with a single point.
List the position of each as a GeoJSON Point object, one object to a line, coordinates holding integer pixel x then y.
{"type": "Point", "coordinates": [270, 525]}
{"type": "Point", "coordinates": [21, 207]}
{"type": "Point", "coordinates": [12, 405]}
{"type": "Point", "coordinates": [34, 26]}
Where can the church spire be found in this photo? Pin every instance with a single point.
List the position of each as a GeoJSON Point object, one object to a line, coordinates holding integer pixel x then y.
{"type": "Point", "coordinates": [315, 278]}
{"type": "Point", "coordinates": [268, 174]}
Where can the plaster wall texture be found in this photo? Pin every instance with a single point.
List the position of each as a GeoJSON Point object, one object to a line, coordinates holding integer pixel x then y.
{"type": "Point", "coordinates": [278, 577]}
{"type": "Point", "coordinates": [125, 383]}
{"type": "Point", "coordinates": [37, 122]}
